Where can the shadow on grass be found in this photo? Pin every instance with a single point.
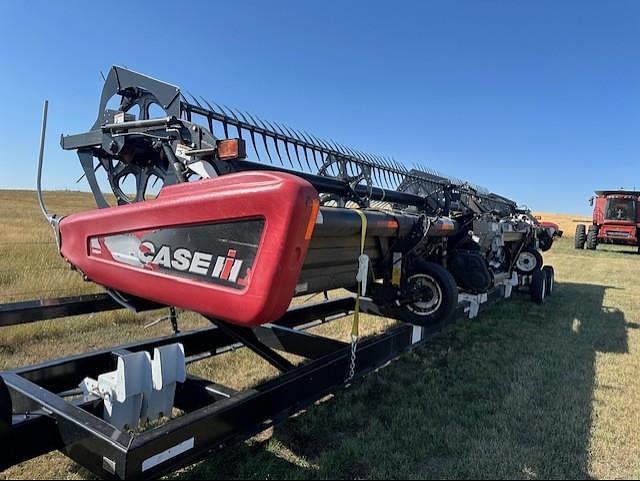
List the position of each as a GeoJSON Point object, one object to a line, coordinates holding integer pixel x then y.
{"type": "Point", "coordinates": [629, 250]}
{"type": "Point", "coordinates": [506, 396]}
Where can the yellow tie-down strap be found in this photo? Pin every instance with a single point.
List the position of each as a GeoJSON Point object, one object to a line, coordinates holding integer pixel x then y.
{"type": "Point", "coordinates": [355, 329]}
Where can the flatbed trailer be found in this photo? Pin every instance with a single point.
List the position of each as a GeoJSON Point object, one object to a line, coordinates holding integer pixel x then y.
{"type": "Point", "coordinates": [42, 409]}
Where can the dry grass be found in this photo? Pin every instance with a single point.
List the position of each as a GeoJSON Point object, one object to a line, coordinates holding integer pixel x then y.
{"type": "Point", "coordinates": [522, 392]}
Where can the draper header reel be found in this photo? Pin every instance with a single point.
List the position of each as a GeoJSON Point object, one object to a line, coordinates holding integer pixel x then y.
{"type": "Point", "coordinates": [250, 234]}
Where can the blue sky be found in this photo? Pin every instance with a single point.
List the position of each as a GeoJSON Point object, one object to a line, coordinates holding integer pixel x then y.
{"type": "Point", "coordinates": [538, 101]}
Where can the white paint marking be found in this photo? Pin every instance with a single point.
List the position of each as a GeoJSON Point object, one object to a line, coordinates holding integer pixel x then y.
{"type": "Point", "coordinates": [160, 458]}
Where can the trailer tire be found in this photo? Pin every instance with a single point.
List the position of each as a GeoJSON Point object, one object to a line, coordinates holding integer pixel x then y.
{"type": "Point", "coordinates": [592, 238]}
{"type": "Point", "coordinates": [442, 297]}
{"type": "Point", "coordinates": [529, 260]}
{"type": "Point", "coordinates": [538, 287]}
{"type": "Point", "coordinates": [550, 278]}
{"type": "Point", "coordinates": [581, 236]}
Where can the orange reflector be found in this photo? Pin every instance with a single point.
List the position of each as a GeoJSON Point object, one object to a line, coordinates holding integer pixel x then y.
{"type": "Point", "coordinates": [392, 224]}
{"type": "Point", "coordinates": [446, 225]}
{"type": "Point", "coordinates": [230, 149]}
{"type": "Point", "coordinates": [315, 206]}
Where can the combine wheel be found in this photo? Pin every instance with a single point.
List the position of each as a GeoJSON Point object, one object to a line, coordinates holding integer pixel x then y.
{"type": "Point", "coordinates": [550, 278]}
{"type": "Point", "coordinates": [538, 287]}
{"type": "Point", "coordinates": [529, 260]}
{"type": "Point", "coordinates": [433, 295]}
{"type": "Point", "coordinates": [592, 237]}
{"type": "Point", "coordinates": [581, 236]}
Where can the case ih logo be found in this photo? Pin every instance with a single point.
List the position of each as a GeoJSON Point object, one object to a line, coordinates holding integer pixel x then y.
{"type": "Point", "coordinates": [196, 262]}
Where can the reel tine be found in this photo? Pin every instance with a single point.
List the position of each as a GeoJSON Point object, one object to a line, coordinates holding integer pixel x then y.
{"type": "Point", "coordinates": [318, 142]}
{"type": "Point", "coordinates": [195, 100]}
{"type": "Point", "coordinates": [251, 133]}
{"type": "Point", "coordinates": [339, 148]}
{"type": "Point", "coordinates": [376, 166]}
{"type": "Point", "coordinates": [326, 145]}
{"type": "Point", "coordinates": [396, 171]}
{"type": "Point", "coordinates": [209, 114]}
{"type": "Point", "coordinates": [234, 117]}
{"type": "Point", "coordinates": [311, 139]}
{"type": "Point", "coordinates": [266, 147]}
{"type": "Point", "coordinates": [305, 135]}
{"type": "Point", "coordinates": [253, 126]}
{"type": "Point", "coordinates": [255, 123]}
{"type": "Point", "coordinates": [376, 172]}
{"type": "Point", "coordinates": [386, 168]}
{"type": "Point", "coordinates": [295, 146]}
{"type": "Point", "coordinates": [274, 137]}
{"type": "Point", "coordinates": [305, 138]}
{"type": "Point", "coordinates": [223, 121]}
{"type": "Point", "coordinates": [306, 158]}
{"type": "Point", "coordinates": [265, 134]}
{"type": "Point", "coordinates": [253, 141]}
{"type": "Point", "coordinates": [209, 107]}
{"type": "Point", "coordinates": [220, 109]}
{"type": "Point", "coordinates": [244, 119]}
{"type": "Point", "coordinates": [240, 121]}
{"type": "Point", "coordinates": [389, 169]}
{"type": "Point", "coordinates": [295, 134]}
{"type": "Point", "coordinates": [286, 145]}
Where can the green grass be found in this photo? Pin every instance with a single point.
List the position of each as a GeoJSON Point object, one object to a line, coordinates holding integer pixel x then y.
{"type": "Point", "coordinates": [523, 391]}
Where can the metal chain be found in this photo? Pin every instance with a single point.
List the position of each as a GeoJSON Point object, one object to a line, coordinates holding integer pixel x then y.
{"type": "Point", "coordinates": [352, 366]}
{"type": "Point", "coordinates": [355, 328]}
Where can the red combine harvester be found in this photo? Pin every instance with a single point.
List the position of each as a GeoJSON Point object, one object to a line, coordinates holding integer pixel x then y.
{"type": "Point", "coordinates": [616, 220]}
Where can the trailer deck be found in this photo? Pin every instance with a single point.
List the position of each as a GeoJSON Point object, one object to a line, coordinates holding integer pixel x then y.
{"type": "Point", "coordinates": [42, 409]}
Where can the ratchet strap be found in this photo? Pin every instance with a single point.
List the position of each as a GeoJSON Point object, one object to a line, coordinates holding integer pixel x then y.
{"type": "Point", "coordinates": [355, 328]}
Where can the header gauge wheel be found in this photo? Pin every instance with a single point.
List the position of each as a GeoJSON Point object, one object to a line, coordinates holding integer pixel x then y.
{"type": "Point", "coordinates": [528, 261]}
{"type": "Point", "coordinates": [431, 295]}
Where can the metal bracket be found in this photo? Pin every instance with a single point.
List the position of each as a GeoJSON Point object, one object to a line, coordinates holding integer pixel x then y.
{"type": "Point", "coordinates": [474, 301]}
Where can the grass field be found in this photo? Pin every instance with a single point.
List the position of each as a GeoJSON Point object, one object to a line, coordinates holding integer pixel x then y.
{"type": "Point", "coordinates": [524, 391]}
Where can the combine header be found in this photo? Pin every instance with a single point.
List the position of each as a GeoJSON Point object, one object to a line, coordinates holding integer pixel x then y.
{"type": "Point", "coordinates": [249, 215]}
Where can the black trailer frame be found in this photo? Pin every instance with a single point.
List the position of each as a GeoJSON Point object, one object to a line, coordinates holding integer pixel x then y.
{"type": "Point", "coordinates": [41, 408]}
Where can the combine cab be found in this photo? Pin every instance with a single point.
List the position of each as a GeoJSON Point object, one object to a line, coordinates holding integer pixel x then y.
{"type": "Point", "coordinates": [616, 219]}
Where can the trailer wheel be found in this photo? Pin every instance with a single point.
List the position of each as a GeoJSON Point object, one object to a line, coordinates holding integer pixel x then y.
{"type": "Point", "coordinates": [581, 236]}
{"type": "Point", "coordinates": [435, 295]}
{"type": "Point", "coordinates": [538, 287]}
{"type": "Point", "coordinates": [528, 261]}
{"type": "Point", "coordinates": [592, 238]}
{"type": "Point", "coordinates": [550, 278]}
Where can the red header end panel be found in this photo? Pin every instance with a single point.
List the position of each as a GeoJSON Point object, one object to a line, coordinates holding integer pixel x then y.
{"type": "Point", "coordinates": [230, 247]}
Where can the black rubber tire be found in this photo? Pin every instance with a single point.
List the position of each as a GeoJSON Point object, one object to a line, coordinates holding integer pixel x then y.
{"type": "Point", "coordinates": [535, 263]}
{"type": "Point", "coordinates": [551, 279]}
{"type": "Point", "coordinates": [538, 287]}
{"type": "Point", "coordinates": [545, 241]}
{"type": "Point", "coordinates": [448, 291]}
{"type": "Point", "coordinates": [592, 238]}
{"type": "Point", "coordinates": [581, 236]}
